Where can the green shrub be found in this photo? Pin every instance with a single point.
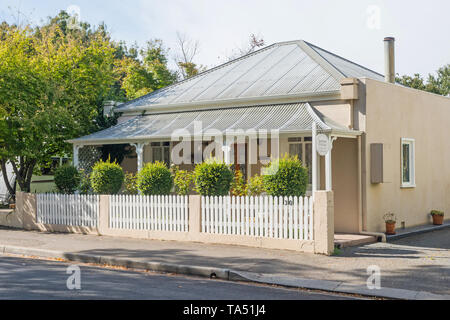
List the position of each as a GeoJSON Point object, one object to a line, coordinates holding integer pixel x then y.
{"type": "Point", "coordinates": [183, 181]}
{"type": "Point", "coordinates": [106, 177]}
{"type": "Point", "coordinates": [238, 185]}
{"type": "Point", "coordinates": [212, 178]}
{"type": "Point", "coordinates": [154, 178]}
{"type": "Point", "coordinates": [67, 179]}
{"type": "Point", "coordinates": [286, 177]}
{"type": "Point", "coordinates": [130, 184]}
{"type": "Point", "coordinates": [85, 184]}
{"type": "Point", "coordinates": [255, 185]}
{"type": "Point", "coordinates": [436, 213]}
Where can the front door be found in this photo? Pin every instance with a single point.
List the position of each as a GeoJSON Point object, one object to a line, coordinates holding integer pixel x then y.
{"type": "Point", "coordinates": [240, 158]}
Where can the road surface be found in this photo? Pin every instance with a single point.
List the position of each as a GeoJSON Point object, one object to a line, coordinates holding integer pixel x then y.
{"type": "Point", "coordinates": [23, 278]}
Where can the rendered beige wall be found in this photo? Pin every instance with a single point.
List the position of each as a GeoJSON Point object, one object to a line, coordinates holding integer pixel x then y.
{"type": "Point", "coordinates": [338, 111]}
{"type": "Point", "coordinates": [395, 112]}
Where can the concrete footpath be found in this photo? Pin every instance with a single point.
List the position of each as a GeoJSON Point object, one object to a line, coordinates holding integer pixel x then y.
{"type": "Point", "coordinates": [411, 268]}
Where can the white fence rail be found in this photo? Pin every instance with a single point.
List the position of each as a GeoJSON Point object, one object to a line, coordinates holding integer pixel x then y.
{"type": "Point", "coordinates": [261, 216]}
{"type": "Point", "coordinates": [161, 213]}
{"type": "Point", "coordinates": [68, 209]}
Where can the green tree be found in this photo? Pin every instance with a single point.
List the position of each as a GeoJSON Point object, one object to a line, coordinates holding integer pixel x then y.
{"type": "Point", "coordinates": [439, 83]}
{"type": "Point", "coordinates": [50, 85]}
{"type": "Point", "coordinates": [154, 57]}
{"type": "Point", "coordinates": [53, 82]}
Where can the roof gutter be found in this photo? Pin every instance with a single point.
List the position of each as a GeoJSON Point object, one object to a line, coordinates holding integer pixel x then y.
{"type": "Point", "coordinates": [238, 102]}
{"type": "Point", "coordinates": [334, 132]}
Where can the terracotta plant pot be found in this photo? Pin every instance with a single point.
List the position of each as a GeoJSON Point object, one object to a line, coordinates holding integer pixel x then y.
{"type": "Point", "coordinates": [12, 205]}
{"type": "Point", "coordinates": [438, 219]}
{"type": "Point", "coordinates": [390, 227]}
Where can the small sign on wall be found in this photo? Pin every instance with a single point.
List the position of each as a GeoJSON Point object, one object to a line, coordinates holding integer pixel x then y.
{"type": "Point", "coordinates": [322, 144]}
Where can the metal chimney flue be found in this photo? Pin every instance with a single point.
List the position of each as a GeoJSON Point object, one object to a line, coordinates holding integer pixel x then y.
{"type": "Point", "coordinates": [389, 59]}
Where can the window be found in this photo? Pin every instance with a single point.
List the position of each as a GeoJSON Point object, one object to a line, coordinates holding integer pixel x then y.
{"type": "Point", "coordinates": [407, 159]}
{"type": "Point", "coordinates": [302, 148]}
{"type": "Point", "coordinates": [161, 152]}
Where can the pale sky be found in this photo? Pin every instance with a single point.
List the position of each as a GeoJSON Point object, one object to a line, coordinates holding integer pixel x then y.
{"type": "Point", "coordinates": [353, 29]}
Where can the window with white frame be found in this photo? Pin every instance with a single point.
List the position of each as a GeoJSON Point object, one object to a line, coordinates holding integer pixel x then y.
{"type": "Point", "coordinates": [407, 159]}
{"type": "Point", "coordinates": [302, 148]}
{"type": "Point", "coordinates": [161, 152]}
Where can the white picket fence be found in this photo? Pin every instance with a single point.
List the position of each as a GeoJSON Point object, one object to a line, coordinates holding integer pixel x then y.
{"type": "Point", "coordinates": [261, 216]}
{"type": "Point", "coordinates": [67, 209]}
{"type": "Point", "coordinates": [137, 212]}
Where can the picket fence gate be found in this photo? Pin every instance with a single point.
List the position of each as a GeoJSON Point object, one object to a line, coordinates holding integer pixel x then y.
{"type": "Point", "coordinates": [67, 209]}
{"type": "Point", "coordinates": [139, 212]}
{"type": "Point", "coordinates": [259, 216]}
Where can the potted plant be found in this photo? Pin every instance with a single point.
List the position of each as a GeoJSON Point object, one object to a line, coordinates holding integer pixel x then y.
{"type": "Point", "coordinates": [389, 219]}
{"type": "Point", "coordinates": [438, 217]}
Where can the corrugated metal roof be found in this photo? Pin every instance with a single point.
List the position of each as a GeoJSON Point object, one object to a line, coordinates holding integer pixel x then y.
{"type": "Point", "coordinates": [287, 68]}
{"type": "Point", "coordinates": [287, 118]}
{"type": "Point", "coordinates": [346, 67]}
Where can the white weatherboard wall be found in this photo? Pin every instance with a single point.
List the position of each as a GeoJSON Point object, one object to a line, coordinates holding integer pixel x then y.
{"type": "Point", "coordinates": [260, 216]}
{"type": "Point", "coordinates": [159, 213]}
{"type": "Point", "coordinates": [67, 209]}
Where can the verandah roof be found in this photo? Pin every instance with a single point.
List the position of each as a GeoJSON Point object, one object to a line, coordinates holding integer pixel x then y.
{"type": "Point", "coordinates": [287, 118]}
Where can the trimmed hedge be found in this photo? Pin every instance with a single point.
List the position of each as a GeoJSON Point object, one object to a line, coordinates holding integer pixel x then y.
{"type": "Point", "coordinates": [107, 177]}
{"type": "Point", "coordinates": [286, 177]}
{"type": "Point", "coordinates": [255, 186]}
{"type": "Point", "coordinates": [130, 184]}
{"type": "Point", "coordinates": [154, 179]}
{"type": "Point", "coordinates": [183, 181]}
{"type": "Point", "coordinates": [213, 178]}
{"type": "Point", "coordinates": [67, 179]}
{"type": "Point", "coordinates": [238, 185]}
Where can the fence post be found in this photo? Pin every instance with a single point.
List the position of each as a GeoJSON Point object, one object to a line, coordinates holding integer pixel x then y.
{"type": "Point", "coordinates": [323, 222]}
{"type": "Point", "coordinates": [27, 209]}
{"type": "Point", "coordinates": [195, 214]}
{"type": "Point", "coordinates": [103, 214]}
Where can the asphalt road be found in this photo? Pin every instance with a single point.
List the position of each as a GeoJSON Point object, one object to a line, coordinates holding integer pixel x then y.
{"type": "Point", "coordinates": [23, 278]}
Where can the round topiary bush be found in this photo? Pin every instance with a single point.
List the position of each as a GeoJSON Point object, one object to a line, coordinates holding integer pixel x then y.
{"type": "Point", "coordinates": [213, 178]}
{"type": "Point", "coordinates": [67, 179]}
{"type": "Point", "coordinates": [106, 177]}
{"type": "Point", "coordinates": [154, 178]}
{"type": "Point", "coordinates": [286, 177]}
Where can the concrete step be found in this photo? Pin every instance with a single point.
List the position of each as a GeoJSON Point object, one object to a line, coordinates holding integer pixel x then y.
{"type": "Point", "coordinates": [343, 240]}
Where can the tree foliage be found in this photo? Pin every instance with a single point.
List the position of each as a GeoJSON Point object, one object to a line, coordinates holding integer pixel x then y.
{"type": "Point", "coordinates": [53, 82]}
{"type": "Point", "coordinates": [50, 84]}
{"type": "Point", "coordinates": [439, 83]}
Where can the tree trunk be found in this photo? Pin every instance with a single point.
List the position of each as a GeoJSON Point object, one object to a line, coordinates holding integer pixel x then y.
{"type": "Point", "coordinates": [11, 189]}
{"type": "Point", "coordinates": [24, 173]}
